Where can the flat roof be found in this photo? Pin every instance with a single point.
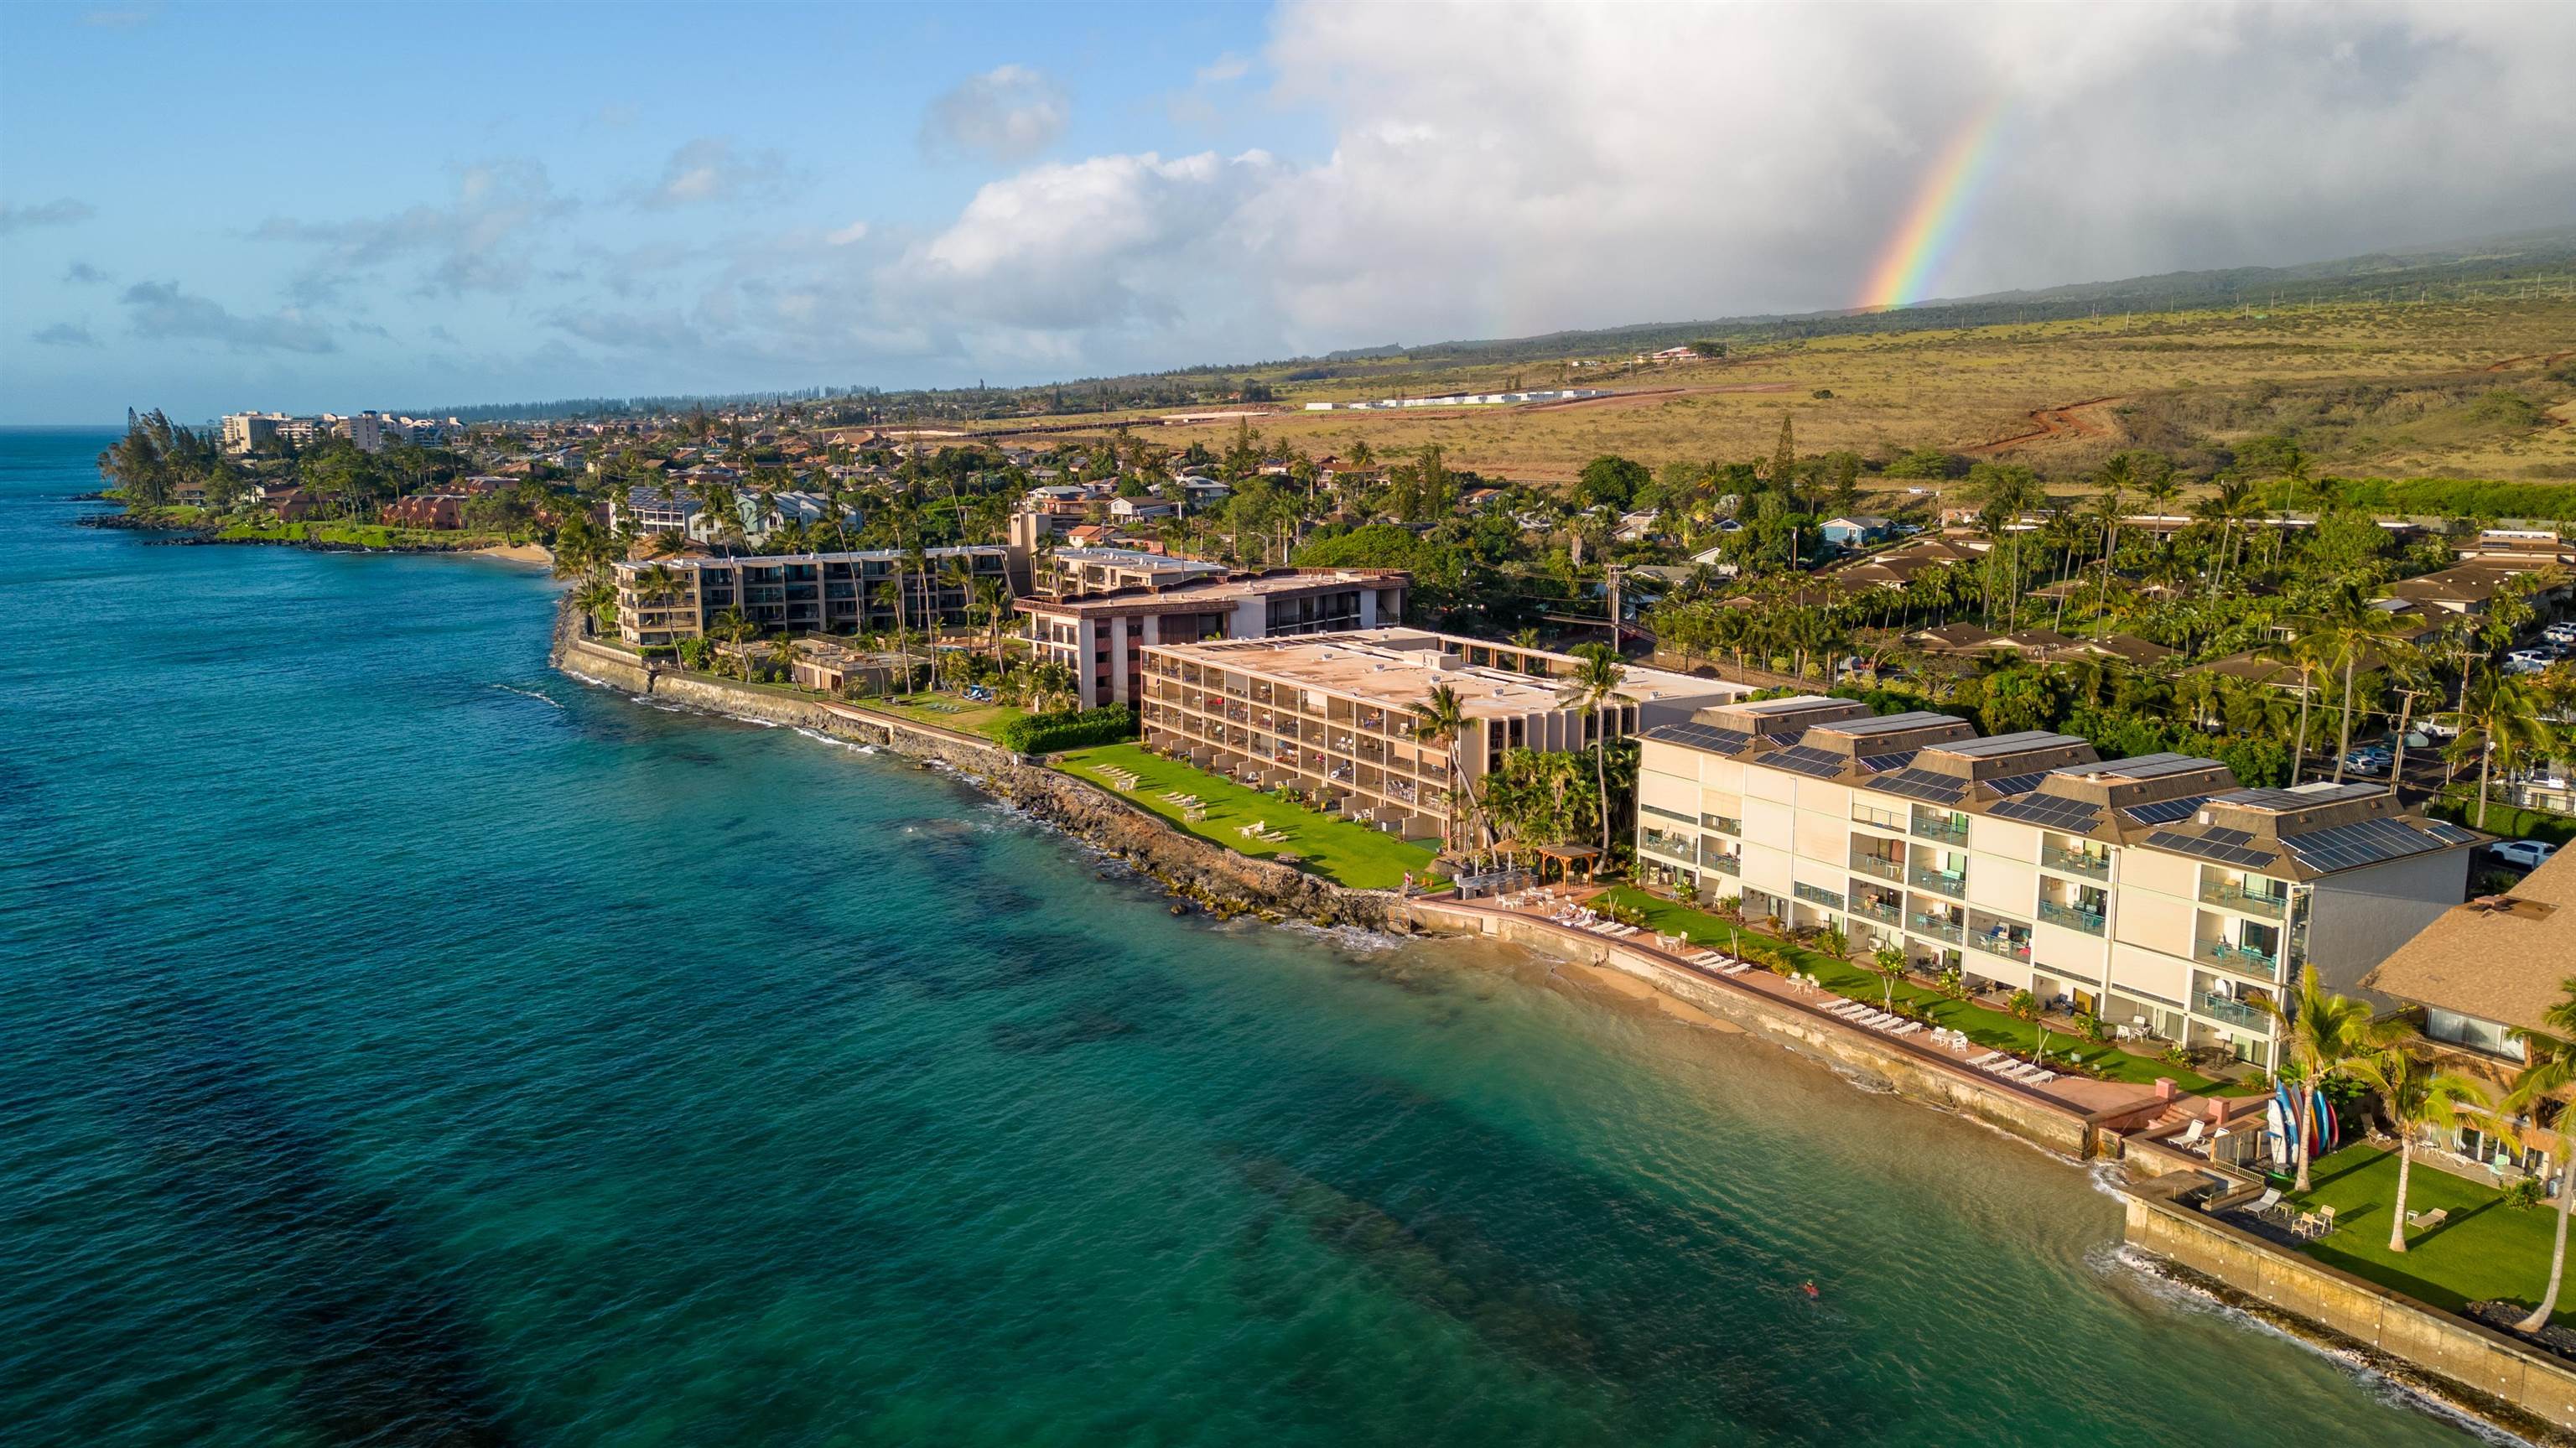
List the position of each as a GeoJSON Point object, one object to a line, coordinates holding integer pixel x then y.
{"type": "Point", "coordinates": [1138, 559]}
{"type": "Point", "coordinates": [1400, 667]}
{"type": "Point", "coordinates": [1209, 592]}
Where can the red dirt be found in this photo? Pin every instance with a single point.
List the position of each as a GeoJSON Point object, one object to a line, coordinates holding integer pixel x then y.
{"type": "Point", "coordinates": [2055, 423]}
{"type": "Point", "coordinates": [2510, 363]}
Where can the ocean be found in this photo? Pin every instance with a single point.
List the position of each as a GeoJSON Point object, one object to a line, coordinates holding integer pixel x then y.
{"type": "Point", "coordinates": [403, 1044]}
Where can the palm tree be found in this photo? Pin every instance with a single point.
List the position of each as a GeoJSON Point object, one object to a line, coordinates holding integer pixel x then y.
{"type": "Point", "coordinates": [2501, 718]}
{"type": "Point", "coordinates": [658, 584]}
{"type": "Point", "coordinates": [1594, 683]}
{"type": "Point", "coordinates": [993, 597]}
{"type": "Point", "coordinates": [782, 654]}
{"type": "Point", "coordinates": [2549, 1071]}
{"type": "Point", "coordinates": [2416, 1097]}
{"type": "Point", "coordinates": [2349, 634]}
{"type": "Point", "coordinates": [1441, 718]}
{"type": "Point", "coordinates": [590, 596]}
{"type": "Point", "coordinates": [2323, 1032]}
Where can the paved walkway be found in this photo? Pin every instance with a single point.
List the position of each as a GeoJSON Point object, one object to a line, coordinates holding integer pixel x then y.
{"type": "Point", "coordinates": [2076, 1094]}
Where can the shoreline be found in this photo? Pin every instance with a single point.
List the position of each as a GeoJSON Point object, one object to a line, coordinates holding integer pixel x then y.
{"type": "Point", "coordinates": [198, 534]}
{"type": "Point", "coordinates": [1632, 976]}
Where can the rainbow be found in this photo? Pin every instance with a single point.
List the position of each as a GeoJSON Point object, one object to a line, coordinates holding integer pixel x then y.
{"type": "Point", "coordinates": [1915, 254]}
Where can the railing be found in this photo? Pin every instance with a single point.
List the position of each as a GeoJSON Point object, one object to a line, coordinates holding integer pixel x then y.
{"type": "Point", "coordinates": [1678, 847]}
{"type": "Point", "coordinates": [1954, 886]}
{"type": "Point", "coordinates": [2090, 922]}
{"type": "Point", "coordinates": [1723, 864]}
{"type": "Point", "coordinates": [1946, 929]}
{"type": "Point", "coordinates": [2237, 956]}
{"type": "Point", "coordinates": [2007, 947]}
{"type": "Point", "coordinates": [1939, 826]}
{"type": "Point", "coordinates": [1881, 866]}
{"type": "Point", "coordinates": [2237, 897]}
{"type": "Point", "coordinates": [1722, 824]}
{"type": "Point", "coordinates": [1818, 895]}
{"type": "Point", "coordinates": [2235, 1013]}
{"type": "Point", "coordinates": [1885, 819]}
{"type": "Point", "coordinates": [2077, 862]}
{"type": "Point", "coordinates": [1892, 914]}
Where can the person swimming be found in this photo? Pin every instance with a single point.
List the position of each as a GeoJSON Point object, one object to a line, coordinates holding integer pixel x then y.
{"type": "Point", "coordinates": [1810, 1286]}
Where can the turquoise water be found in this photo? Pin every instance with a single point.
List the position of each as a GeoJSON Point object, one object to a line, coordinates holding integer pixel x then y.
{"type": "Point", "coordinates": [400, 1044]}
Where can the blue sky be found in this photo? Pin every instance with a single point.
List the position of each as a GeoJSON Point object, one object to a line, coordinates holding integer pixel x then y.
{"type": "Point", "coordinates": [406, 205]}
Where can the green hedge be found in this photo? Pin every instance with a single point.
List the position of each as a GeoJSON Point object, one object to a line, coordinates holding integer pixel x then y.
{"type": "Point", "coordinates": [2461, 497]}
{"type": "Point", "coordinates": [2511, 821]}
{"type": "Point", "coordinates": [1068, 729]}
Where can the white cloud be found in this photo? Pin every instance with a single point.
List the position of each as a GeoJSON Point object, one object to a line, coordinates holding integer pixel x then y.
{"type": "Point", "coordinates": [480, 242]}
{"type": "Point", "coordinates": [710, 169]}
{"type": "Point", "coordinates": [160, 311]}
{"type": "Point", "coordinates": [1226, 67]}
{"type": "Point", "coordinates": [1007, 114]}
{"type": "Point", "coordinates": [855, 231]}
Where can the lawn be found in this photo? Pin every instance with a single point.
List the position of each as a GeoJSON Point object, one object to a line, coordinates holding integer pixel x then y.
{"type": "Point", "coordinates": [354, 535]}
{"type": "Point", "coordinates": [2485, 1250]}
{"type": "Point", "coordinates": [947, 711]}
{"type": "Point", "coordinates": [1985, 1026]}
{"type": "Point", "coordinates": [1347, 853]}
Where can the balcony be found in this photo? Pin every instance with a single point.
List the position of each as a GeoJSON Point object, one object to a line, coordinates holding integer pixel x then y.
{"type": "Point", "coordinates": [1881, 866]}
{"type": "Point", "coordinates": [1937, 826]}
{"type": "Point", "coordinates": [1674, 847]}
{"type": "Point", "coordinates": [1880, 910]}
{"type": "Point", "coordinates": [2236, 957]}
{"type": "Point", "coordinates": [2243, 901]}
{"type": "Point", "coordinates": [2235, 1013]}
{"type": "Point", "coordinates": [2077, 862]}
{"type": "Point", "coordinates": [1722, 824]}
{"type": "Point", "coordinates": [1818, 895]}
{"type": "Point", "coordinates": [2001, 945]}
{"type": "Point", "coordinates": [1883, 819]}
{"type": "Point", "coordinates": [2071, 916]}
{"type": "Point", "coordinates": [1954, 886]}
{"type": "Point", "coordinates": [1723, 864]}
{"type": "Point", "coordinates": [1937, 926]}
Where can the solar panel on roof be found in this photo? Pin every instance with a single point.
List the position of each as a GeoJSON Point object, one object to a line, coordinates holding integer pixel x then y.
{"type": "Point", "coordinates": [1923, 784]}
{"type": "Point", "coordinates": [2363, 842]}
{"type": "Point", "coordinates": [1699, 736]}
{"type": "Point", "coordinates": [2225, 846]}
{"type": "Point", "coordinates": [2145, 766]}
{"type": "Point", "coordinates": [1822, 763]}
{"type": "Point", "coordinates": [1893, 723]}
{"type": "Point", "coordinates": [2012, 784]}
{"type": "Point", "coordinates": [1881, 763]}
{"type": "Point", "coordinates": [2164, 811]}
{"type": "Point", "coordinates": [2449, 834]}
{"type": "Point", "coordinates": [2050, 811]}
{"type": "Point", "coordinates": [2027, 739]}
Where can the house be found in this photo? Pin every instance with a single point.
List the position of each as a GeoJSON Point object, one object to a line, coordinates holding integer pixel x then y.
{"type": "Point", "coordinates": [427, 510]}
{"type": "Point", "coordinates": [1855, 532]}
{"type": "Point", "coordinates": [1954, 638]}
{"type": "Point", "coordinates": [1143, 510]}
{"type": "Point", "coordinates": [2480, 973]}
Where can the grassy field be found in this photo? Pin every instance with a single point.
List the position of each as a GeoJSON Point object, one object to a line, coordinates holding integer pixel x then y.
{"type": "Point", "coordinates": [355, 535]}
{"type": "Point", "coordinates": [1986, 1027]}
{"type": "Point", "coordinates": [947, 711]}
{"type": "Point", "coordinates": [2485, 1251]}
{"type": "Point", "coordinates": [2372, 390]}
{"type": "Point", "coordinates": [1347, 853]}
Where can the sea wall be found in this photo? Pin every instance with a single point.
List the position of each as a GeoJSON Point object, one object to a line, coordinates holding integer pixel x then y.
{"type": "Point", "coordinates": [1200, 870]}
{"type": "Point", "coordinates": [2484, 1372]}
{"type": "Point", "coordinates": [1879, 1060]}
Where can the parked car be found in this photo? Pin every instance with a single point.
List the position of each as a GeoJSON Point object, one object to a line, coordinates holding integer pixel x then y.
{"type": "Point", "coordinates": [2371, 759]}
{"type": "Point", "coordinates": [2527, 661]}
{"type": "Point", "coordinates": [2521, 854]}
{"type": "Point", "coordinates": [2437, 729]}
{"type": "Point", "coordinates": [2561, 633]}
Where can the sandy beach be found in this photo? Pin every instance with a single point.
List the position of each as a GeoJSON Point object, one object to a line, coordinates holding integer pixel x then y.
{"type": "Point", "coordinates": [531, 553]}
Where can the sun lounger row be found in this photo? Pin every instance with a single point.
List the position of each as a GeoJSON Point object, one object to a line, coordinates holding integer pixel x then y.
{"type": "Point", "coordinates": [1874, 1018]}
{"type": "Point", "coordinates": [2013, 1068]}
{"type": "Point", "coordinates": [1721, 963]}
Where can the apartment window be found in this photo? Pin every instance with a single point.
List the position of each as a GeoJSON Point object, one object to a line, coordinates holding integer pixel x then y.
{"type": "Point", "coordinates": [2469, 1031]}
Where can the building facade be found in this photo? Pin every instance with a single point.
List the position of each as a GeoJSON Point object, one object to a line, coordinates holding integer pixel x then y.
{"type": "Point", "coordinates": [1331, 715]}
{"type": "Point", "coordinates": [2154, 892]}
{"type": "Point", "coordinates": [803, 592]}
{"type": "Point", "coordinates": [1102, 637]}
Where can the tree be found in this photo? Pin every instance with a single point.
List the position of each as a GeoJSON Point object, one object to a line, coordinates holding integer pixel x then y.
{"type": "Point", "coordinates": [2348, 634]}
{"type": "Point", "coordinates": [590, 596]}
{"type": "Point", "coordinates": [2500, 719]}
{"type": "Point", "coordinates": [2323, 1033]}
{"type": "Point", "coordinates": [1594, 683]}
{"type": "Point", "coordinates": [2548, 1072]}
{"type": "Point", "coordinates": [2415, 1097]}
{"type": "Point", "coordinates": [1611, 481]}
{"type": "Point", "coordinates": [993, 596]}
{"type": "Point", "coordinates": [1889, 962]}
{"type": "Point", "coordinates": [1441, 719]}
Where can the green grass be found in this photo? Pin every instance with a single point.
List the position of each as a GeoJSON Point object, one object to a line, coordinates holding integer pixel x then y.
{"type": "Point", "coordinates": [947, 711]}
{"type": "Point", "coordinates": [1347, 853]}
{"type": "Point", "coordinates": [2486, 1250]}
{"type": "Point", "coordinates": [353, 535]}
{"type": "Point", "coordinates": [1987, 1027]}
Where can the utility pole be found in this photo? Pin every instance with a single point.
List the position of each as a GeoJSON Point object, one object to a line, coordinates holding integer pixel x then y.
{"type": "Point", "coordinates": [1611, 571]}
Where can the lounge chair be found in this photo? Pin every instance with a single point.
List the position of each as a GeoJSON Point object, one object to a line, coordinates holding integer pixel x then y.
{"type": "Point", "coordinates": [2427, 1221]}
{"type": "Point", "coordinates": [2266, 1204]}
{"type": "Point", "coordinates": [1987, 1059]}
{"type": "Point", "coordinates": [2190, 1134]}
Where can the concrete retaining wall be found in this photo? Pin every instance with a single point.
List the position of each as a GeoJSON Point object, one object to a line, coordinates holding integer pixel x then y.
{"type": "Point", "coordinates": [2518, 1388]}
{"type": "Point", "coordinates": [1877, 1058]}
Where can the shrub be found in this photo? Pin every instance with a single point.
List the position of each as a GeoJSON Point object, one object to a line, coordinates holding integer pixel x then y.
{"type": "Point", "coordinates": [2024, 1005]}
{"type": "Point", "coordinates": [2091, 1028]}
{"type": "Point", "coordinates": [2522, 1194]}
{"type": "Point", "coordinates": [1068, 729]}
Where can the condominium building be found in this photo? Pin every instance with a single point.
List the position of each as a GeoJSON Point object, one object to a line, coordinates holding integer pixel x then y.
{"type": "Point", "coordinates": [2152, 892]}
{"type": "Point", "coordinates": [1332, 714]}
{"type": "Point", "coordinates": [1084, 572]}
{"type": "Point", "coordinates": [249, 431]}
{"type": "Point", "coordinates": [802, 592]}
{"type": "Point", "coordinates": [1102, 637]}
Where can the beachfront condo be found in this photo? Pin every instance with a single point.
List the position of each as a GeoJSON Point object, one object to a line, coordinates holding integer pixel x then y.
{"type": "Point", "coordinates": [1102, 636]}
{"type": "Point", "coordinates": [2153, 893]}
{"type": "Point", "coordinates": [802, 592]}
{"type": "Point", "coordinates": [1331, 715]}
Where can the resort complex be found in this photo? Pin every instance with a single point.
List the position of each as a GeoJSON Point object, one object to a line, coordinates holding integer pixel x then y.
{"type": "Point", "coordinates": [2151, 892]}
{"type": "Point", "coordinates": [1332, 716]}
{"type": "Point", "coordinates": [1101, 636]}
{"type": "Point", "coordinates": [661, 602]}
